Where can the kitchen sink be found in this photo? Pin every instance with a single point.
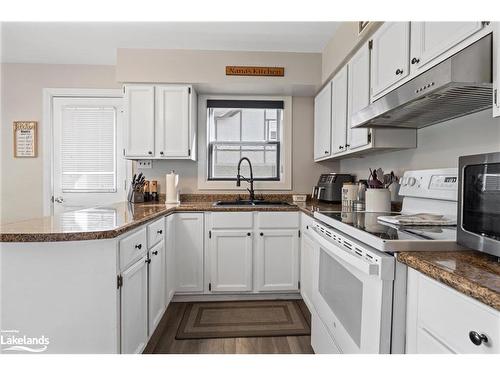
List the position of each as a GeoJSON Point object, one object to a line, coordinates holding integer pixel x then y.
{"type": "Point", "coordinates": [251, 203]}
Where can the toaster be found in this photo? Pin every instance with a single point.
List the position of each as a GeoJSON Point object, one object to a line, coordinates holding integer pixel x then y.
{"type": "Point", "coordinates": [329, 187]}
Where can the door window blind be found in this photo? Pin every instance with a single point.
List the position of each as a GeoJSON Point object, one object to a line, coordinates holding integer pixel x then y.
{"type": "Point", "coordinates": [88, 149]}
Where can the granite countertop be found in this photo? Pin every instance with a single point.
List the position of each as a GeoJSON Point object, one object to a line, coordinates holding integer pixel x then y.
{"type": "Point", "coordinates": [470, 272]}
{"type": "Point", "coordinates": [113, 220]}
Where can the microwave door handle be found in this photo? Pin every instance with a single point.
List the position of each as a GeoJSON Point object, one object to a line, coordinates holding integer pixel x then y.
{"type": "Point", "coordinates": [332, 249]}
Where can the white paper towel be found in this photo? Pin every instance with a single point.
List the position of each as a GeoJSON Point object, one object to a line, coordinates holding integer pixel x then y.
{"type": "Point", "coordinates": [171, 183]}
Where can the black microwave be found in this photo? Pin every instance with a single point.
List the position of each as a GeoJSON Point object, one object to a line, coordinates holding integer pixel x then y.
{"type": "Point", "coordinates": [478, 225]}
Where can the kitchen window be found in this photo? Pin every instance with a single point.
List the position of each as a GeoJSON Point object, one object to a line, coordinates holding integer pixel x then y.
{"type": "Point", "coordinates": [244, 128]}
{"type": "Point", "coordinates": [233, 126]}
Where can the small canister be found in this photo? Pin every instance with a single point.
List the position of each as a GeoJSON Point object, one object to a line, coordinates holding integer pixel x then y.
{"type": "Point", "coordinates": [349, 195]}
{"type": "Point", "coordinates": [153, 190]}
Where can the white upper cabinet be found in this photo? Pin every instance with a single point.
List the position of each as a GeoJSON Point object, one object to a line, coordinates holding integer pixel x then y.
{"type": "Point", "coordinates": [231, 257]}
{"type": "Point", "coordinates": [323, 122]}
{"type": "Point", "coordinates": [358, 94]}
{"type": "Point", "coordinates": [431, 39]}
{"type": "Point", "coordinates": [172, 121]}
{"type": "Point", "coordinates": [339, 111]}
{"type": "Point", "coordinates": [390, 61]}
{"type": "Point", "coordinates": [161, 122]}
{"type": "Point", "coordinates": [139, 121]}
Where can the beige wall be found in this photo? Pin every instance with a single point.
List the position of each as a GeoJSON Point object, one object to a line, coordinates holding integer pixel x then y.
{"type": "Point", "coordinates": [342, 46]}
{"type": "Point", "coordinates": [206, 69]}
{"type": "Point", "coordinates": [22, 85]}
{"type": "Point", "coordinates": [305, 172]}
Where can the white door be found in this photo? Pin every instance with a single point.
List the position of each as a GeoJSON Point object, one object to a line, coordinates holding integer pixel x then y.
{"type": "Point", "coordinates": [156, 285]}
{"type": "Point", "coordinates": [431, 39]}
{"type": "Point", "coordinates": [278, 260]}
{"type": "Point", "coordinates": [189, 252]}
{"type": "Point", "coordinates": [307, 256]}
{"type": "Point", "coordinates": [339, 111]}
{"type": "Point", "coordinates": [323, 122]}
{"type": "Point", "coordinates": [390, 60]}
{"type": "Point", "coordinates": [231, 258]}
{"type": "Point", "coordinates": [88, 167]}
{"type": "Point", "coordinates": [169, 259]}
{"type": "Point", "coordinates": [139, 121]}
{"type": "Point", "coordinates": [358, 94]}
{"type": "Point", "coordinates": [172, 121]}
{"type": "Point", "coordinates": [134, 308]}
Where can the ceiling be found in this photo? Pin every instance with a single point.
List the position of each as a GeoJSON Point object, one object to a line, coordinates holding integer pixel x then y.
{"type": "Point", "coordinates": [96, 42]}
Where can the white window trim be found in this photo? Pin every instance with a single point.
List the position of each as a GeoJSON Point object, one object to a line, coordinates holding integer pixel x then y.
{"type": "Point", "coordinates": [47, 135]}
{"type": "Point", "coordinates": [285, 182]}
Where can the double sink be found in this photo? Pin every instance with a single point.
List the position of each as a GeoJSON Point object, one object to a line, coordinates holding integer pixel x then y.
{"type": "Point", "coordinates": [256, 202]}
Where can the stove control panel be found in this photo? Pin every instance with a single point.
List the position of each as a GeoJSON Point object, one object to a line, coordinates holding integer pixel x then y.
{"type": "Point", "coordinates": [430, 183]}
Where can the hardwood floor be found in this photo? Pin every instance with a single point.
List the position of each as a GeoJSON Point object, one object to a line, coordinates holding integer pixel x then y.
{"type": "Point", "coordinates": [163, 340]}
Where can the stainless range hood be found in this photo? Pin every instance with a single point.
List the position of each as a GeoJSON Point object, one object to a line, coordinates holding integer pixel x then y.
{"type": "Point", "coordinates": [456, 87]}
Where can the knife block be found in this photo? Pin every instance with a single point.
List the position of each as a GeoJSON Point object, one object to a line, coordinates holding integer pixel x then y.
{"type": "Point", "coordinates": [135, 196]}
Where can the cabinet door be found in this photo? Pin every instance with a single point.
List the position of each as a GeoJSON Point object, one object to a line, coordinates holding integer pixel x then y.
{"type": "Point", "coordinates": [231, 259]}
{"type": "Point", "coordinates": [339, 111]}
{"type": "Point", "coordinates": [172, 121]}
{"type": "Point", "coordinates": [390, 60]}
{"type": "Point", "coordinates": [169, 259]}
{"type": "Point", "coordinates": [156, 285]}
{"type": "Point", "coordinates": [277, 260]}
{"type": "Point", "coordinates": [134, 308]}
{"type": "Point", "coordinates": [431, 39]}
{"type": "Point", "coordinates": [189, 252]}
{"type": "Point", "coordinates": [139, 121]}
{"type": "Point", "coordinates": [307, 249]}
{"type": "Point", "coordinates": [323, 122]}
{"type": "Point", "coordinates": [358, 94]}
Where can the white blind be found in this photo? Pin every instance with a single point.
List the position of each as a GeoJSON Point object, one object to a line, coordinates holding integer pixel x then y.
{"type": "Point", "coordinates": [88, 149]}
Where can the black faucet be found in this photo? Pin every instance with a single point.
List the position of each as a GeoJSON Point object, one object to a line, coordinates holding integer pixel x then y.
{"type": "Point", "coordinates": [239, 177]}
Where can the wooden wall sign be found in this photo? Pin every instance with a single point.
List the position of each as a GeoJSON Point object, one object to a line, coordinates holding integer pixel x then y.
{"type": "Point", "coordinates": [267, 71]}
{"type": "Point", "coordinates": [25, 139]}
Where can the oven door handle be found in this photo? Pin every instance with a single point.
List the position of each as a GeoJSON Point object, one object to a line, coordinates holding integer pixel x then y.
{"type": "Point", "coordinates": [359, 263]}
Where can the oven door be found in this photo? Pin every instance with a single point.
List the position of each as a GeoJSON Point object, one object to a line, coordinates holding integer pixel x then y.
{"type": "Point", "coordinates": [479, 218]}
{"type": "Point", "coordinates": [351, 299]}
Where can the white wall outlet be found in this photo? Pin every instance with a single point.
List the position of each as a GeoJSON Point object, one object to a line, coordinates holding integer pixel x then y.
{"type": "Point", "coordinates": [144, 164]}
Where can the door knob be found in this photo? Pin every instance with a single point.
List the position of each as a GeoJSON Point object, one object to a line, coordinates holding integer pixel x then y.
{"type": "Point", "coordinates": [415, 60]}
{"type": "Point", "coordinates": [155, 252]}
{"type": "Point", "coordinates": [59, 199]}
{"type": "Point", "coordinates": [399, 71]}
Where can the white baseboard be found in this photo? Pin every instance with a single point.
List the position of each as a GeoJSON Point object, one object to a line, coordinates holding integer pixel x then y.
{"type": "Point", "coordinates": [233, 297]}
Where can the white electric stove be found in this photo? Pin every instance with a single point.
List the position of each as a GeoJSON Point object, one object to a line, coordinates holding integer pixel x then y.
{"type": "Point", "coordinates": [432, 191]}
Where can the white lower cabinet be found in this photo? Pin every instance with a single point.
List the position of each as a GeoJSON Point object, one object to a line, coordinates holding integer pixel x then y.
{"type": "Point", "coordinates": [134, 307]}
{"type": "Point", "coordinates": [442, 320]}
{"type": "Point", "coordinates": [277, 260]}
{"type": "Point", "coordinates": [169, 259]}
{"type": "Point", "coordinates": [156, 288]}
{"type": "Point", "coordinates": [188, 248]}
{"type": "Point", "coordinates": [230, 254]}
{"type": "Point", "coordinates": [307, 256]}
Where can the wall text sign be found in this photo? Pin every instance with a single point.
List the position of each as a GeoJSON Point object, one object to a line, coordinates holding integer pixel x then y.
{"type": "Point", "coordinates": [255, 71]}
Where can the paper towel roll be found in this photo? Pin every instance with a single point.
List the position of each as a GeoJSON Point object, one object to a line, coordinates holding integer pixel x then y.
{"type": "Point", "coordinates": [171, 183]}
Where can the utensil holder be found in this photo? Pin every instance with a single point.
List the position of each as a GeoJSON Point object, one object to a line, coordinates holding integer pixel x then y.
{"type": "Point", "coordinates": [378, 200]}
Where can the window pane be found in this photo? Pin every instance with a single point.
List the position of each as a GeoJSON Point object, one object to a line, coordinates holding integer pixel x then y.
{"type": "Point", "coordinates": [88, 149]}
{"type": "Point", "coordinates": [244, 132]}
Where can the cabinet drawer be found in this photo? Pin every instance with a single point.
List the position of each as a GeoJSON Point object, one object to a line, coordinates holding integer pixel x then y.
{"type": "Point", "coordinates": [450, 316]}
{"type": "Point", "coordinates": [156, 232]}
{"type": "Point", "coordinates": [132, 248]}
{"type": "Point", "coordinates": [273, 220]}
{"type": "Point", "coordinates": [231, 220]}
